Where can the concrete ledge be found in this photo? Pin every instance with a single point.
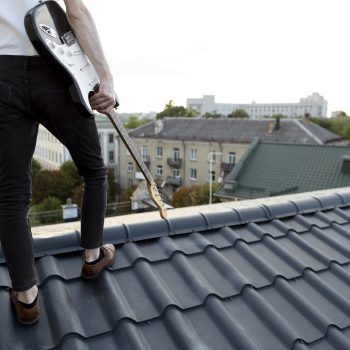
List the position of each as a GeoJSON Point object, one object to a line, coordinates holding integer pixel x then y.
{"type": "Point", "coordinates": [66, 228]}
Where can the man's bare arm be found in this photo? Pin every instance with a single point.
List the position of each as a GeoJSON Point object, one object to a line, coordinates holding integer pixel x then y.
{"type": "Point", "coordinates": [85, 30]}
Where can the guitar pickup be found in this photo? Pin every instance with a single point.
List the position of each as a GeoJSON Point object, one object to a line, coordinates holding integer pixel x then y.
{"type": "Point", "coordinates": [69, 38]}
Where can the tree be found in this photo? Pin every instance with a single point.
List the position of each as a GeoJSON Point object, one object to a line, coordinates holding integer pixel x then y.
{"type": "Point", "coordinates": [49, 203]}
{"type": "Point", "coordinates": [112, 187]}
{"type": "Point", "coordinates": [48, 211]}
{"type": "Point", "coordinates": [53, 183]}
{"type": "Point", "coordinates": [337, 125]}
{"type": "Point", "coordinates": [70, 170]}
{"type": "Point", "coordinates": [170, 110]}
{"type": "Point", "coordinates": [134, 122]}
{"type": "Point", "coordinates": [36, 167]}
{"type": "Point", "coordinates": [346, 132]}
{"type": "Point", "coordinates": [278, 116]}
{"type": "Point", "coordinates": [193, 195]}
{"type": "Point", "coordinates": [239, 113]}
{"type": "Point", "coordinates": [213, 115]}
{"type": "Point", "coordinates": [126, 194]}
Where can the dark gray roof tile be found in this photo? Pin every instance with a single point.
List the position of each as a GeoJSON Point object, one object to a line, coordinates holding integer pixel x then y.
{"type": "Point", "coordinates": [235, 130]}
{"type": "Point", "coordinates": [256, 282]}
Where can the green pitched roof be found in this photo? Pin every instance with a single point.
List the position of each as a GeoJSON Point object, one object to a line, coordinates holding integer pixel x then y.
{"type": "Point", "coordinates": [276, 169]}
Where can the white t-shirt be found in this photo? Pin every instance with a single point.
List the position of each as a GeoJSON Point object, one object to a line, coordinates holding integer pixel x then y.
{"type": "Point", "coordinates": [13, 36]}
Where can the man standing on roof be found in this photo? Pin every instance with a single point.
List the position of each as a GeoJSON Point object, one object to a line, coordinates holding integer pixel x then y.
{"type": "Point", "coordinates": [31, 92]}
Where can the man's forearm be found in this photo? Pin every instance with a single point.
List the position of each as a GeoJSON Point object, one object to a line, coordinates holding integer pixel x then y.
{"type": "Point", "coordinates": [85, 30]}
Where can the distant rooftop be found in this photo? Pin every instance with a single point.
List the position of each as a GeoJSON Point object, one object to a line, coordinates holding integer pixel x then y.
{"type": "Point", "coordinates": [274, 169]}
{"type": "Point", "coordinates": [237, 130]}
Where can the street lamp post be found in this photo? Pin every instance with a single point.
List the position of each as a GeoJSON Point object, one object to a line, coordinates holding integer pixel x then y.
{"type": "Point", "coordinates": [210, 160]}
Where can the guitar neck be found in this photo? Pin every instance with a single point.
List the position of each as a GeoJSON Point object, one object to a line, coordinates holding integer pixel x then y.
{"type": "Point", "coordinates": [129, 145]}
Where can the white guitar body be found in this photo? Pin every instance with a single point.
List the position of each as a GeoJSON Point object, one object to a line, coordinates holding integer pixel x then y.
{"type": "Point", "coordinates": [74, 59]}
{"type": "Point", "coordinates": [48, 29]}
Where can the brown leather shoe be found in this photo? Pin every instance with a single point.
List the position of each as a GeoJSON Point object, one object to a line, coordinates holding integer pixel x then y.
{"type": "Point", "coordinates": [91, 271]}
{"type": "Point", "coordinates": [25, 316]}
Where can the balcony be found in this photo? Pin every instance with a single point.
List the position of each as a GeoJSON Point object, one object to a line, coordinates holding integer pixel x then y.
{"type": "Point", "coordinates": [175, 162]}
{"type": "Point", "coordinates": [172, 180]}
{"type": "Point", "coordinates": [146, 160]}
{"type": "Point", "coordinates": [227, 166]}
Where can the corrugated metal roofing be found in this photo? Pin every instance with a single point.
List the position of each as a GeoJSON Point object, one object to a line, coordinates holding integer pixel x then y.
{"type": "Point", "coordinates": [236, 130]}
{"type": "Point", "coordinates": [274, 276]}
{"type": "Point", "coordinates": [274, 169]}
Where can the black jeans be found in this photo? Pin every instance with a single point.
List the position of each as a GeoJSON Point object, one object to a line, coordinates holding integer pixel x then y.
{"type": "Point", "coordinates": [32, 93]}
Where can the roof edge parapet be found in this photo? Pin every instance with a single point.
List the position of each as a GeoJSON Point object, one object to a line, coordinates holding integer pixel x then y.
{"type": "Point", "coordinates": [69, 242]}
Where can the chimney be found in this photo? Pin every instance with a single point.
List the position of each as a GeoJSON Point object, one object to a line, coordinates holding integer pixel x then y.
{"type": "Point", "coordinates": [278, 123]}
{"type": "Point", "coordinates": [158, 126]}
{"type": "Point", "coordinates": [345, 167]}
{"type": "Point", "coordinates": [274, 125]}
{"type": "Point", "coordinates": [307, 118]}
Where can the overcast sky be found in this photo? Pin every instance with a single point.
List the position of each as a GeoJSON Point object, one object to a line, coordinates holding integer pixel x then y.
{"type": "Point", "coordinates": [239, 51]}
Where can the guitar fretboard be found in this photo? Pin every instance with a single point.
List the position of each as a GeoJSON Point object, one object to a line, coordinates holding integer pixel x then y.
{"type": "Point", "coordinates": [113, 117]}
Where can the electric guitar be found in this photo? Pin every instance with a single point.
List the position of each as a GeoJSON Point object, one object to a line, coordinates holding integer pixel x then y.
{"type": "Point", "coordinates": [50, 33]}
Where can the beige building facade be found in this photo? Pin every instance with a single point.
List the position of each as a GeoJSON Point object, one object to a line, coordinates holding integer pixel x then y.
{"type": "Point", "coordinates": [195, 151]}
{"type": "Point", "coordinates": [175, 163]}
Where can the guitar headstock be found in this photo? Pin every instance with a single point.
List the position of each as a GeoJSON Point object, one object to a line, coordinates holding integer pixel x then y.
{"type": "Point", "coordinates": [157, 199]}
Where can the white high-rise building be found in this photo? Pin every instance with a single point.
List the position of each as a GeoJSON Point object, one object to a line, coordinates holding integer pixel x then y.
{"type": "Point", "coordinates": [314, 104]}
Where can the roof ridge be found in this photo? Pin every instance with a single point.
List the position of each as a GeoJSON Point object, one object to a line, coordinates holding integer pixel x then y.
{"type": "Point", "coordinates": [300, 124]}
{"type": "Point", "coordinates": [238, 169]}
{"type": "Point", "coordinates": [142, 231]}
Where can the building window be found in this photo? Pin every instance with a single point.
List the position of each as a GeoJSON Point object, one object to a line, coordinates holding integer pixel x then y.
{"type": "Point", "coordinates": [110, 138]}
{"type": "Point", "coordinates": [111, 156]}
{"type": "Point", "coordinates": [193, 154]}
{"type": "Point", "coordinates": [212, 157]}
{"type": "Point", "coordinates": [176, 173]}
{"type": "Point", "coordinates": [130, 167]}
{"type": "Point", "coordinates": [144, 153]}
{"type": "Point", "coordinates": [193, 174]}
{"type": "Point", "coordinates": [212, 176]}
{"type": "Point", "coordinates": [176, 154]}
{"type": "Point", "coordinates": [232, 157]}
{"type": "Point", "coordinates": [159, 151]}
{"type": "Point", "coordinates": [130, 182]}
{"type": "Point", "coordinates": [159, 170]}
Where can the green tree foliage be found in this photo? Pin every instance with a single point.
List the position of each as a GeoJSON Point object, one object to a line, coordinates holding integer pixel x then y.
{"type": "Point", "coordinates": [337, 125]}
{"type": "Point", "coordinates": [126, 194]}
{"type": "Point", "coordinates": [278, 116]}
{"type": "Point", "coordinates": [134, 122]}
{"type": "Point", "coordinates": [49, 203]}
{"type": "Point", "coordinates": [70, 170]}
{"type": "Point", "coordinates": [213, 115]}
{"type": "Point", "coordinates": [49, 211]}
{"type": "Point", "coordinates": [36, 167]}
{"type": "Point", "coordinates": [239, 113]}
{"type": "Point", "coordinates": [170, 110]}
{"type": "Point", "coordinates": [112, 187]}
{"type": "Point", "coordinates": [193, 195]}
{"type": "Point", "coordinates": [53, 183]}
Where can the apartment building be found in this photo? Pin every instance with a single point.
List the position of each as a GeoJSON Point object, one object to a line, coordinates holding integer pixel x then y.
{"type": "Point", "coordinates": [315, 105]}
{"type": "Point", "coordinates": [186, 151]}
{"type": "Point", "coordinates": [51, 153]}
